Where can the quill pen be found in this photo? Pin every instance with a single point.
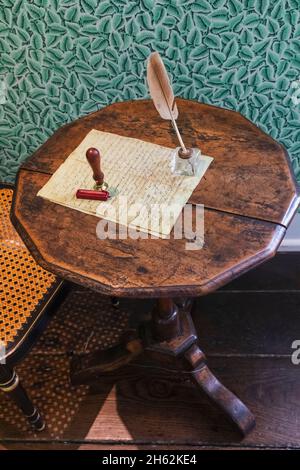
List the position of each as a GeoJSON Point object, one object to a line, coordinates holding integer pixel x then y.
{"type": "Point", "coordinates": [162, 94]}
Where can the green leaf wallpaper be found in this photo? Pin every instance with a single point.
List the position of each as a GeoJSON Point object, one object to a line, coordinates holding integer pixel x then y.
{"type": "Point", "coordinates": [60, 59]}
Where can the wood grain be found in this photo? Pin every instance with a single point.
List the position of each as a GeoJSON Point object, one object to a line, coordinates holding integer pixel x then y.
{"type": "Point", "coordinates": [167, 411]}
{"type": "Point", "coordinates": [64, 241]}
{"type": "Point", "coordinates": [249, 194]}
{"type": "Point", "coordinates": [135, 412]}
{"type": "Point", "coordinates": [279, 273]}
{"type": "Point", "coordinates": [251, 174]}
{"type": "Point", "coordinates": [265, 322]}
{"type": "Point", "coordinates": [139, 409]}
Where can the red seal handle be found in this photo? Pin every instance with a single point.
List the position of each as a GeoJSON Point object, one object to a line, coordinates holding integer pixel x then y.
{"type": "Point", "coordinates": [93, 195]}
{"type": "Point", "coordinates": [94, 159]}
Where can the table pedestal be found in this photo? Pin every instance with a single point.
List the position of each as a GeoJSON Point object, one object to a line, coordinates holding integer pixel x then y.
{"type": "Point", "coordinates": [168, 342]}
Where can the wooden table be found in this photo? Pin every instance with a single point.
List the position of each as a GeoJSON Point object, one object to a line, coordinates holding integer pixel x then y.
{"type": "Point", "coordinates": [250, 197]}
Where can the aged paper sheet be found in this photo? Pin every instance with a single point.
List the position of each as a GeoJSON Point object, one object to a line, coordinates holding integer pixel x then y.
{"type": "Point", "coordinates": [138, 170]}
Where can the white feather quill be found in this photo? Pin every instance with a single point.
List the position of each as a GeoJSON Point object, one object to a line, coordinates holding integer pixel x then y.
{"type": "Point", "coordinates": [162, 94]}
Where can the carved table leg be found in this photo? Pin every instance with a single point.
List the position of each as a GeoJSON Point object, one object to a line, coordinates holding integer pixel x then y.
{"type": "Point", "coordinates": [174, 343]}
{"type": "Point", "coordinates": [87, 367]}
{"type": "Point", "coordinates": [235, 410]}
{"type": "Point", "coordinates": [166, 323]}
{"type": "Point", "coordinates": [168, 341]}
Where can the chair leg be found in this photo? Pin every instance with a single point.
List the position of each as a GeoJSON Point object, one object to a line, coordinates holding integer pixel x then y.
{"type": "Point", "coordinates": [10, 383]}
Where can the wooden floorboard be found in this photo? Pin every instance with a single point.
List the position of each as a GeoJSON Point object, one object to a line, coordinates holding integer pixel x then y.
{"type": "Point", "coordinates": [246, 330]}
{"type": "Point", "coordinates": [138, 410]}
{"type": "Point", "coordinates": [279, 273]}
{"type": "Point", "coordinates": [248, 323]}
{"type": "Point", "coordinates": [128, 447]}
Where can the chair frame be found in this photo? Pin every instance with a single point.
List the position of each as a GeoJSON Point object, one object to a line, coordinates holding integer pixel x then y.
{"type": "Point", "coordinates": [9, 379]}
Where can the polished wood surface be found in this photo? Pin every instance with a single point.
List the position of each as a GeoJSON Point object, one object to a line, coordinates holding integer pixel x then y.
{"type": "Point", "coordinates": [249, 195]}
{"type": "Point", "coordinates": [59, 237]}
{"type": "Point", "coordinates": [250, 174]}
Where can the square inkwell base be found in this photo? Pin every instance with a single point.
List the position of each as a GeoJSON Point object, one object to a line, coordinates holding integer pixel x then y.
{"type": "Point", "coordinates": [191, 166]}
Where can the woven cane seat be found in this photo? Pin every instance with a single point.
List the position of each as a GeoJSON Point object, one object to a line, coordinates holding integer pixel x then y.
{"type": "Point", "coordinates": [25, 287]}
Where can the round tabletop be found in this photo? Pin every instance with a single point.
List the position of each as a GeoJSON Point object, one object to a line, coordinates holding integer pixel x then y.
{"type": "Point", "coordinates": [249, 196]}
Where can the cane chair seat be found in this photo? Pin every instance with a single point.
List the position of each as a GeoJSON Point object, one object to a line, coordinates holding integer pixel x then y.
{"type": "Point", "coordinates": [25, 288]}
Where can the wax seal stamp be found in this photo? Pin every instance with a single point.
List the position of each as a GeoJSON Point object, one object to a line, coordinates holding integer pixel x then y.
{"type": "Point", "coordinates": [99, 193]}
{"type": "Point", "coordinates": [96, 195]}
{"type": "Point", "coordinates": [94, 158]}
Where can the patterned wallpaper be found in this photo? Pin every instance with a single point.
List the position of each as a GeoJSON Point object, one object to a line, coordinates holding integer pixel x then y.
{"type": "Point", "coordinates": [61, 59]}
